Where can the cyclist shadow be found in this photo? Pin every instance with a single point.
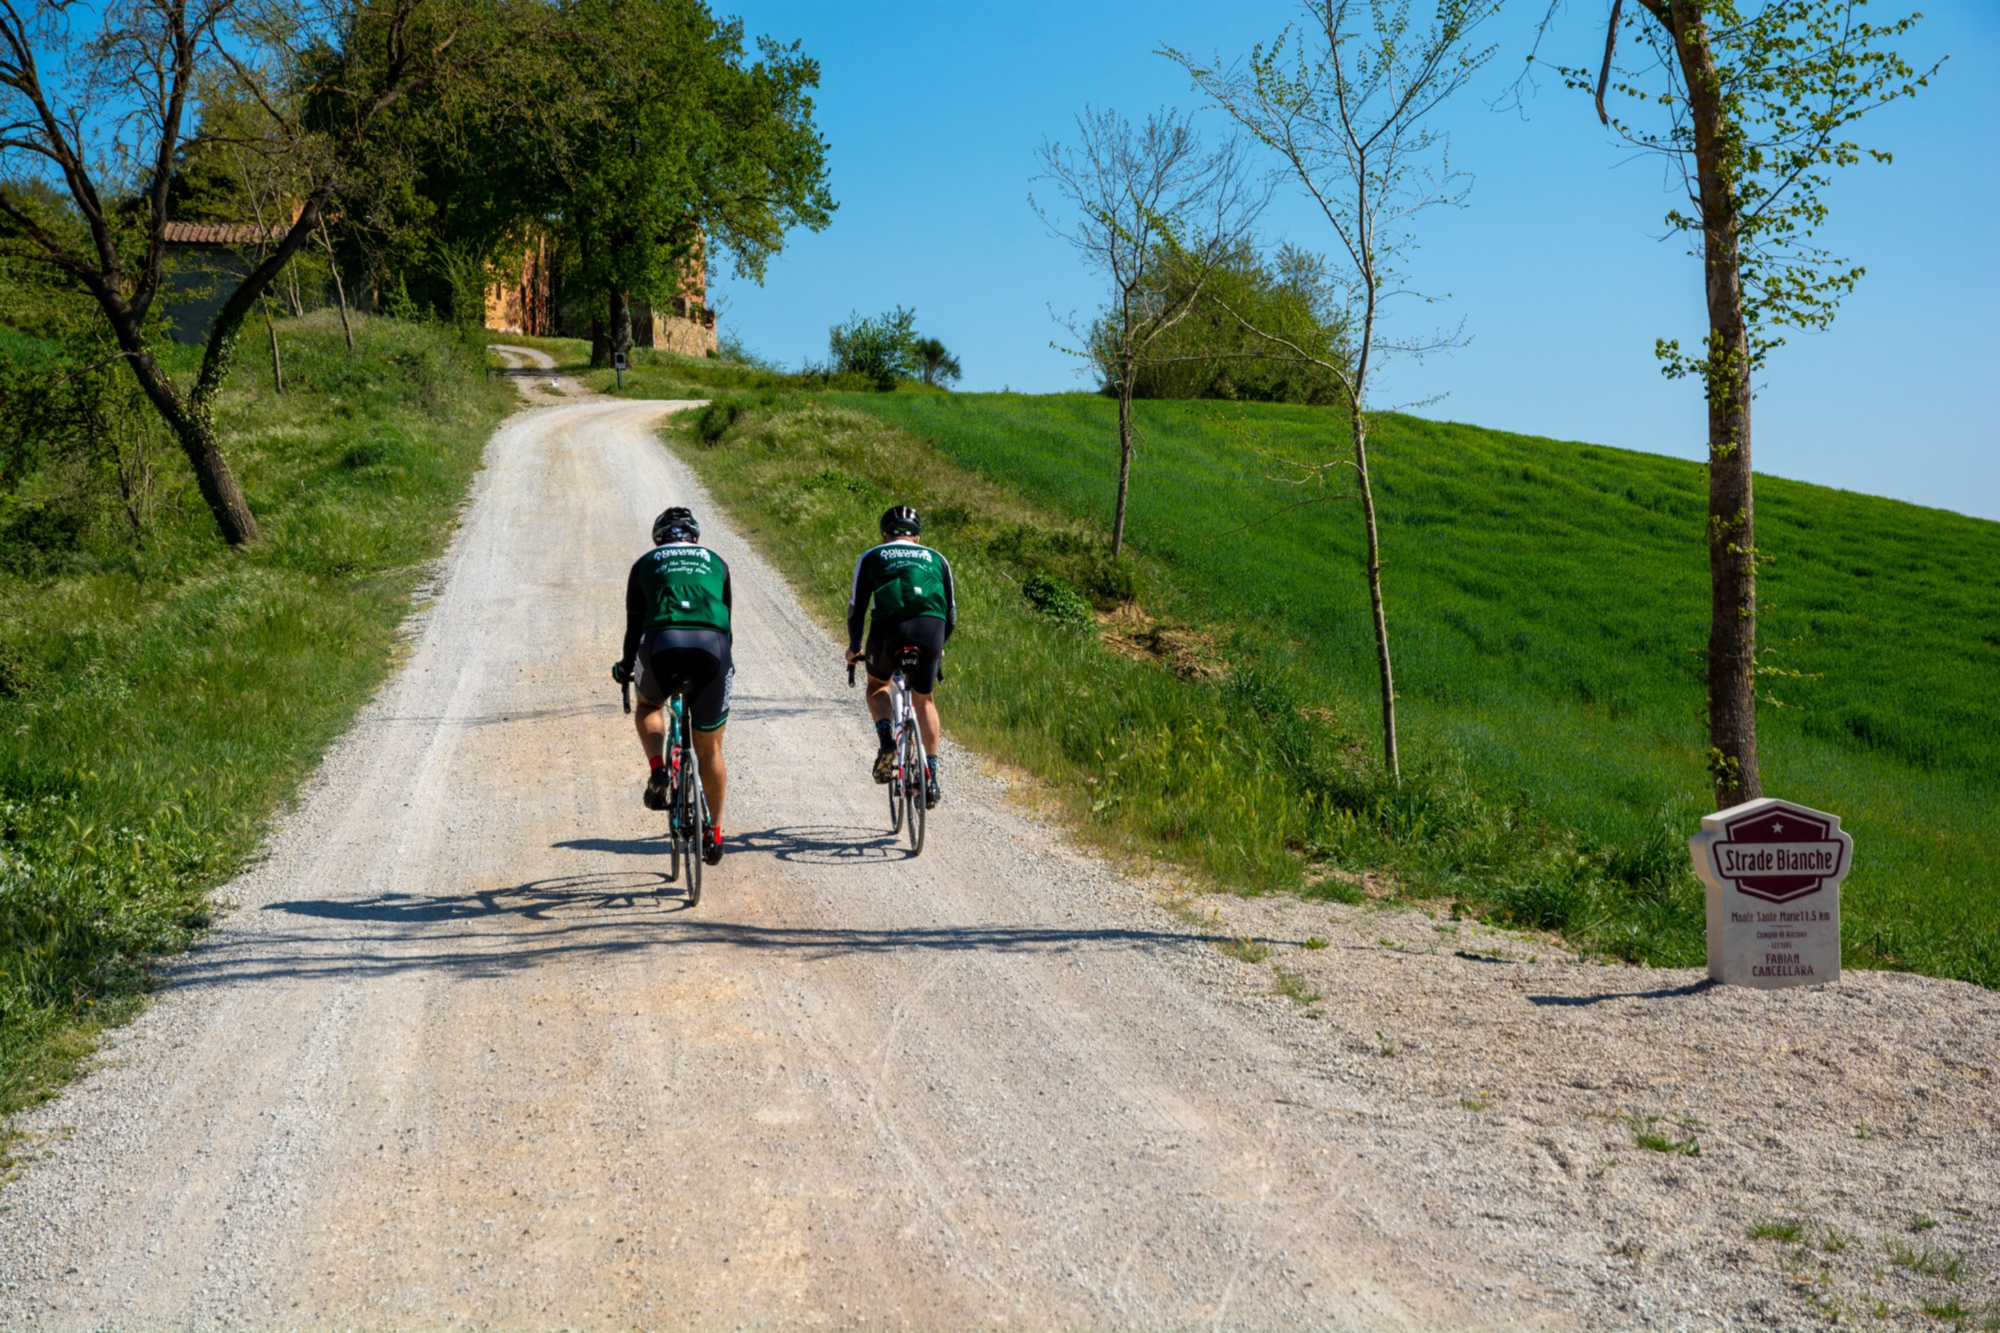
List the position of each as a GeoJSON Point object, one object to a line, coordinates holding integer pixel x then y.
{"type": "Point", "coordinates": [824, 845]}
{"type": "Point", "coordinates": [551, 899]}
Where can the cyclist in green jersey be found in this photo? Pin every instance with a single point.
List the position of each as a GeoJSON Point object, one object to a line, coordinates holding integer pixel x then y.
{"type": "Point", "coordinates": [908, 587]}
{"type": "Point", "coordinates": [677, 639]}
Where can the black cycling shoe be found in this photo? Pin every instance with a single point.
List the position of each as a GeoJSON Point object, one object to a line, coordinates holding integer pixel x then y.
{"type": "Point", "coordinates": [713, 852]}
{"type": "Point", "coordinates": [656, 788]}
{"type": "Point", "coordinates": [932, 794]}
{"type": "Point", "coordinates": [885, 766]}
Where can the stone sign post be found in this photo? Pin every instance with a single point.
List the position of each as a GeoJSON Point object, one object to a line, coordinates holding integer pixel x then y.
{"type": "Point", "coordinates": [1773, 872]}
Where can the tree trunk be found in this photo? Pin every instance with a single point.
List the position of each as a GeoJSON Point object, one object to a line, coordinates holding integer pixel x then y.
{"type": "Point", "coordinates": [193, 425]}
{"type": "Point", "coordinates": [1391, 759]}
{"type": "Point", "coordinates": [1124, 462]}
{"type": "Point", "coordinates": [340, 293]}
{"type": "Point", "coordinates": [1732, 550]}
{"type": "Point", "coordinates": [600, 346]}
{"type": "Point", "coordinates": [621, 322]}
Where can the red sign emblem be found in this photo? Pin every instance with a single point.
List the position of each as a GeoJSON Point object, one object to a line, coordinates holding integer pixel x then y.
{"type": "Point", "coordinates": [1779, 852]}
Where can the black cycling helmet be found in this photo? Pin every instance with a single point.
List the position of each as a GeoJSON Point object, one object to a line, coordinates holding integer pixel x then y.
{"type": "Point", "coordinates": [901, 521]}
{"type": "Point", "coordinates": [676, 525]}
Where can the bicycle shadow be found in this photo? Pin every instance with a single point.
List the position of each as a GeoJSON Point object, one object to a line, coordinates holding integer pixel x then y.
{"type": "Point", "coordinates": [795, 844]}
{"type": "Point", "coordinates": [548, 899]}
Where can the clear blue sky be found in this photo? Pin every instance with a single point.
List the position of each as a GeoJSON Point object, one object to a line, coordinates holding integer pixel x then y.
{"type": "Point", "coordinates": [1557, 266]}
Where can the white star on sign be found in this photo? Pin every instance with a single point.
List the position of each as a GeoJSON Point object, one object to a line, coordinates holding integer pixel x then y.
{"type": "Point", "coordinates": [1777, 827]}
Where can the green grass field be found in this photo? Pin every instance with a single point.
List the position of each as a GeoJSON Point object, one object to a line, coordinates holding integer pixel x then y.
{"type": "Point", "coordinates": [159, 701]}
{"type": "Point", "coordinates": [1548, 604]}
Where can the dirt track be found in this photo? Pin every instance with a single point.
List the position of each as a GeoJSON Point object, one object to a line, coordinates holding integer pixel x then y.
{"type": "Point", "coordinates": [458, 1057]}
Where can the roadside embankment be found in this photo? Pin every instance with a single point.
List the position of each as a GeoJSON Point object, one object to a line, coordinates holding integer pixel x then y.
{"type": "Point", "coordinates": [1210, 696]}
{"type": "Point", "coordinates": [160, 695]}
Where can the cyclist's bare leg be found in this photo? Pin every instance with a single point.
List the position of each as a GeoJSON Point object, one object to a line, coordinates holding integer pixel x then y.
{"type": "Point", "coordinates": [878, 699]}
{"type": "Point", "coordinates": [651, 721]}
{"type": "Point", "coordinates": [714, 773]}
{"type": "Point", "coordinates": [927, 720]}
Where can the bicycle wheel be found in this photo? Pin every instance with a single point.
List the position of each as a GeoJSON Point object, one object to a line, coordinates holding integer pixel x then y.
{"type": "Point", "coordinates": [896, 794]}
{"type": "Point", "coordinates": [673, 834]}
{"type": "Point", "coordinates": [912, 781]}
{"type": "Point", "coordinates": [673, 807]}
{"type": "Point", "coordinates": [696, 826]}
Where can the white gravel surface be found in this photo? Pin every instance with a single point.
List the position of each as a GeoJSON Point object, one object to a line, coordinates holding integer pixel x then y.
{"type": "Point", "coordinates": [459, 1058]}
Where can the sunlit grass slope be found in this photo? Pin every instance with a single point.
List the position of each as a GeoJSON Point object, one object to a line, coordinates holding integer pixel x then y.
{"type": "Point", "coordinates": [1548, 605]}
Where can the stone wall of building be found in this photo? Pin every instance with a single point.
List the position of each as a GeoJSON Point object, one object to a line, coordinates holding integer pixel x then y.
{"type": "Point", "coordinates": [688, 327]}
{"type": "Point", "coordinates": [533, 304]}
{"type": "Point", "coordinates": [526, 305]}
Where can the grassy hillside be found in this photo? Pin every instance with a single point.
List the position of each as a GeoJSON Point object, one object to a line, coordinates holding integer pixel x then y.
{"type": "Point", "coordinates": [160, 698]}
{"type": "Point", "coordinates": [1547, 605]}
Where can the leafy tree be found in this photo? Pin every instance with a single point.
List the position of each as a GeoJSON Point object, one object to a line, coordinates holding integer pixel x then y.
{"type": "Point", "coordinates": [1154, 213]}
{"type": "Point", "coordinates": [885, 348]}
{"type": "Point", "coordinates": [1750, 101]}
{"type": "Point", "coordinates": [935, 366]}
{"type": "Point", "coordinates": [1209, 354]}
{"type": "Point", "coordinates": [1345, 104]}
{"type": "Point", "coordinates": [670, 138]}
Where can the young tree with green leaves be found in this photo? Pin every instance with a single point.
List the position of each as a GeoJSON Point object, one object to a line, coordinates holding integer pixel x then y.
{"type": "Point", "coordinates": [1751, 102]}
{"type": "Point", "coordinates": [1210, 355]}
{"type": "Point", "coordinates": [884, 347]}
{"type": "Point", "coordinates": [1345, 102]}
{"type": "Point", "coordinates": [1139, 202]}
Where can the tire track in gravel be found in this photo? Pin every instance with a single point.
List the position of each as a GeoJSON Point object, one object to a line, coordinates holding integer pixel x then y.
{"type": "Point", "coordinates": [459, 1056]}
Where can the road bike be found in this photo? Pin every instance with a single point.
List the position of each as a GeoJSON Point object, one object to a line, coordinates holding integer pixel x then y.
{"type": "Point", "coordinates": [906, 780]}
{"type": "Point", "coordinates": [687, 806]}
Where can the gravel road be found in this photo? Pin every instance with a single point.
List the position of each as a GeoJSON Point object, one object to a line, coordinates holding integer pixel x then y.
{"type": "Point", "coordinates": [459, 1057]}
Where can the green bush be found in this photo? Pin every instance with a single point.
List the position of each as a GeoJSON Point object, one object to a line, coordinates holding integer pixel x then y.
{"type": "Point", "coordinates": [1058, 601]}
{"type": "Point", "coordinates": [1209, 354]}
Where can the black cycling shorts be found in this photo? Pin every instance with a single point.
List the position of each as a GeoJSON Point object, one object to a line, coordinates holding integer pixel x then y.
{"type": "Point", "coordinates": [885, 643]}
{"type": "Point", "coordinates": [694, 662]}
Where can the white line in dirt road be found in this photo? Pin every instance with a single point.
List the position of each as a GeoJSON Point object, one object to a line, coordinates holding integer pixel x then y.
{"type": "Point", "coordinates": [460, 1054]}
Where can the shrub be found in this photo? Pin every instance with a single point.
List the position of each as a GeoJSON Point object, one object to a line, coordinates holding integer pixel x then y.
{"type": "Point", "coordinates": [884, 348]}
{"type": "Point", "coordinates": [1058, 601]}
{"type": "Point", "coordinates": [711, 423]}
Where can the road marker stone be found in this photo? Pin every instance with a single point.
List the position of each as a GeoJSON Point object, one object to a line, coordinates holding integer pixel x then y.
{"type": "Point", "coordinates": [1773, 871]}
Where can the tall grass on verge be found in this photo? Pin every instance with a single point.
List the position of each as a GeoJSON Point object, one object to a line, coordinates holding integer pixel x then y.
{"type": "Point", "coordinates": [1167, 731]}
{"type": "Point", "coordinates": [1552, 604]}
{"type": "Point", "coordinates": [159, 699]}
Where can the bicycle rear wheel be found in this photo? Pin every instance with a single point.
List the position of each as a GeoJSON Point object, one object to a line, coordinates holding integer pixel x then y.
{"type": "Point", "coordinates": [911, 780]}
{"type": "Point", "coordinates": [896, 793]}
{"type": "Point", "coordinates": [696, 826]}
{"type": "Point", "coordinates": [673, 834]}
{"type": "Point", "coordinates": [668, 744]}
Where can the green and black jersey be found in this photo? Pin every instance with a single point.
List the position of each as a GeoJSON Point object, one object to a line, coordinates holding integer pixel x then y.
{"type": "Point", "coordinates": [900, 580]}
{"type": "Point", "coordinates": [678, 586]}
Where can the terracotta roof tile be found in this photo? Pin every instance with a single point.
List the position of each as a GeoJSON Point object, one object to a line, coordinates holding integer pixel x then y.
{"type": "Point", "coordinates": [219, 233]}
